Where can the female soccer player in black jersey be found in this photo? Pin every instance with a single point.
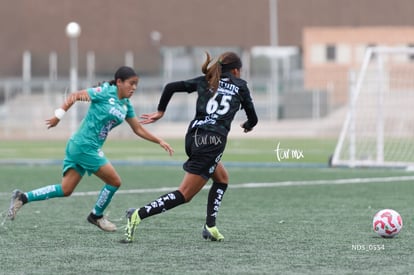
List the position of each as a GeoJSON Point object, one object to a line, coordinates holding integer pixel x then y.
{"type": "Point", "coordinates": [221, 93]}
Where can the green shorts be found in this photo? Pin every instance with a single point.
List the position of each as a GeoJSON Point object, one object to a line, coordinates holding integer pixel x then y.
{"type": "Point", "coordinates": [83, 158]}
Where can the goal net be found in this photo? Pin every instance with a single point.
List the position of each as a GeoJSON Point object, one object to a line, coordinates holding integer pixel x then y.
{"type": "Point", "coordinates": [379, 128]}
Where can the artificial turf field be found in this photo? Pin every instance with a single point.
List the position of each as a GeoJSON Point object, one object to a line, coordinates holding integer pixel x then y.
{"type": "Point", "coordinates": [290, 216]}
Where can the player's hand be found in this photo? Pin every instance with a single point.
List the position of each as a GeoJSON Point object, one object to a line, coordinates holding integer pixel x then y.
{"type": "Point", "coordinates": [245, 129]}
{"type": "Point", "coordinates": [152, 117]}
{"type": "Point", "coordinates": [52, 122]}
{"type": "Point", "coordinates": [167, 147]}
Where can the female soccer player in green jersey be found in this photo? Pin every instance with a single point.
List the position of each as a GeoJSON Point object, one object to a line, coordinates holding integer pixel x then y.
{"type": "Point", "coordinates": [221, 93]}
{"type": "Point", "coordinates": [109, 107]}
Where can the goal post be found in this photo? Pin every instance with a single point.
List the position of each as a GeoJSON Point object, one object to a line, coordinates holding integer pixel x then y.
{"type": "Point", "coordinates": [378, 130]}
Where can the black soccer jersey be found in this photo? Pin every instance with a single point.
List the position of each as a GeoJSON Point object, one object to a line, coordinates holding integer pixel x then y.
{"type": "Point", "coordinates": [215, 111]}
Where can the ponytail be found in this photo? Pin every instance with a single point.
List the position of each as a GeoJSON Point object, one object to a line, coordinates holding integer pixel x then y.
{"type": "Point", "coordinates": [225, 63]}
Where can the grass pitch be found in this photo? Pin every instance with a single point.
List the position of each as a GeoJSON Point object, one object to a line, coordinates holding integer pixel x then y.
{"type": "Point", "coordinates": [294, 216]}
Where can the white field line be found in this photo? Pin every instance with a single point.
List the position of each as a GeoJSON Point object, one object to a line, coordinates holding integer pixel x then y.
{"type": "Point", "coordinates": [258, 185]}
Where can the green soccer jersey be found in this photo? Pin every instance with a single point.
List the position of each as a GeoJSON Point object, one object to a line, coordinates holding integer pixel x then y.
{"type": "Point", "coordinates": [105, 112]}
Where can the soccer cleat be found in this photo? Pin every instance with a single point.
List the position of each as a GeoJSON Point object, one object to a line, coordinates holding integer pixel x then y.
{"type": "Point", "coordinates": [102, 222]}
{"type": "Point", "coordinates": [212, 233]}
{"type": "Point", "coordinates": [133, 221]}
{"type": "Point", "coordinates": [15, 204]}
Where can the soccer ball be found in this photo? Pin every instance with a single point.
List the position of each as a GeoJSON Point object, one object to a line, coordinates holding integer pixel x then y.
{"type": "Point", "coordinates": [387, 223]}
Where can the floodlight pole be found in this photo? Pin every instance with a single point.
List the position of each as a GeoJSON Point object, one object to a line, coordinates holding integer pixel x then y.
{"type": "Point", "coordinates": [73, 31]}
{"type": "Point", "coordinates": [274, 70]}
{"type": "Point", "coordinates": [273, 23]}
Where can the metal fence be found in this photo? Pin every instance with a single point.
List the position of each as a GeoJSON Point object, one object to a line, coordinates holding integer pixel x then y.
{"type": "Point", "coordinates": [25, 102]}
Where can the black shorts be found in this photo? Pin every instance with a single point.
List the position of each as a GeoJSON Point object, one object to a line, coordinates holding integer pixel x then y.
{"type": "Point", "coordinates": [204, 150]}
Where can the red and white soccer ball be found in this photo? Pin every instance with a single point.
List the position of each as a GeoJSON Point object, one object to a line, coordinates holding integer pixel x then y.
{"type": "Point", "coordinates": [387, 223]}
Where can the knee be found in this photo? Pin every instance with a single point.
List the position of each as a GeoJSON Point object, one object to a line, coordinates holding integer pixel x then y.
{"type": "Point", "coordinates": [67, 192]}
{"type": "Point", "coordinates": [223, 178]}
{"type": "Point", "coordinates": [116, 184]}
{"type": "Point", "coordinates": [187, 197]}
{"type": "Point", "coordinates": [221, 175]}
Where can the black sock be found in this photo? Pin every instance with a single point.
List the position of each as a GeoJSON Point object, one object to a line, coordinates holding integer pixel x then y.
{"type": "Point", "coordinates": [213, 203]}
{"type": "Point", "coordinates": [23, 198]}
{"type": "Point", "coordinates": [162, 204]}
{"type": "Point", "coordinates": [95, 216]}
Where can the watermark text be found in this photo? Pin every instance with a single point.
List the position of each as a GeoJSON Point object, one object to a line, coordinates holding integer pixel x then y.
{"type": "Point", "coordinates": [287, 153]}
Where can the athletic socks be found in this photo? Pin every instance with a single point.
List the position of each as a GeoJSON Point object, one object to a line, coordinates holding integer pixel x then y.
{"type": "Point", "coordinates": [104, 199]}
{"type": "Point", "coordinates": [162, 204]}
{"type": "Point", "coordinates": [215, 196]}
{"type": "Point", "coordinates": [173, 199]}
{"type": "Point", "coordinates": [44, 193]}
{"type": "Point", "coordinates": [54, 191]}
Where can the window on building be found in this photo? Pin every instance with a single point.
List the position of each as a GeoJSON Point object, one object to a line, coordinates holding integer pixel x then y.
{"type": "Point", "coordinates": [343, 53]}
{"type": "Point", "coordinates": [330, 53]}
{"type": "Point", "coordinates": [374, 55]}
{"type": "Point", "coordinates": [317, 54]}
{"type": "Point", "coordinates": [411, 56]}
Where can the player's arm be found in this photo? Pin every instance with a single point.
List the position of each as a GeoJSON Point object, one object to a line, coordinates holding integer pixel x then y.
{"type": "Point", "coordinates": [140, 131]}
{"type": "Point", "coordinates": [248, 106]}
{"type": "Point", "coordinates": [167, 93]}
{"type": "Point", "coordinates": [69, 101]}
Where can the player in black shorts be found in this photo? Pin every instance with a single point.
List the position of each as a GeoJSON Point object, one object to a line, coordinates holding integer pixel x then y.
{"type": "Point", "coordinates": [221, 93]}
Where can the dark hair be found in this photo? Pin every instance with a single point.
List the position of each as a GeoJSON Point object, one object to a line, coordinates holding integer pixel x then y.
{"type": "Point", "coordinates": [225, 63]}
{"type": "Point", "coordinates": [123, 73]}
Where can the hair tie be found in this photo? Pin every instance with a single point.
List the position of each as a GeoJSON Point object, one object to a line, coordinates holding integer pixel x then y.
{"type": "Point", "coordinates": [229, 66]}
{"type": "Point", "coordinates": [219, 61]}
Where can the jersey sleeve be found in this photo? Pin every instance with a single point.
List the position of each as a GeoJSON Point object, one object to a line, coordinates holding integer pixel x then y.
{"type": "Point", "coordinates": [130, 110]}
{"type": "Point", "coordinates": [248, 106]}
{"type": "Point", "coordinates": [98, 93]}
{"type": "Point", "coordinates": [191, 85]}
{"type": "Point", "coordinates": [188, 86]}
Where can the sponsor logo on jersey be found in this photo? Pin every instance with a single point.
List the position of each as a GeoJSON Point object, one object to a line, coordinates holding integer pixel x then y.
{"type": "Point", "coordinates": [227, 88]}
{"type": "Point", "coordinates": [97, 89]}
{"type": "Point", "coordinates": [207, 120]}
{"type": "Point", "coordinates": [115, 112]}
{"type": "Point", "coordinates": [106, 128]}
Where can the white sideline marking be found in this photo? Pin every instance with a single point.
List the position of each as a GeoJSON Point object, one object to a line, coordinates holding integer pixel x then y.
{"type": "Point", "coordinates": [257, 185]}
{"type": "Point", "coordinates": [322, 182]}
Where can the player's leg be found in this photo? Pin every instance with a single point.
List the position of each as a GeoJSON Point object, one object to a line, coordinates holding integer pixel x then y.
{"type": "Point", "coordinates": [190, 186]}
{"type": "Point", "coordinates": [216, 193]}
{"type": "Point", "coordinates": [215, 196]}
{"type": "Point", "coordinates": [69, 182]}
{"type": "Point", "coordinates": [107, 174]}
{"type": "Point", "coordinates": [203, 159]}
